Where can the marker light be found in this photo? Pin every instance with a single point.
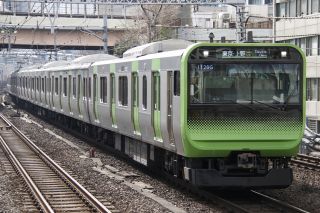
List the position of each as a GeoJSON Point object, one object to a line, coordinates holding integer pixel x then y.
{"type": "Point", "coordinates": [205, 53]}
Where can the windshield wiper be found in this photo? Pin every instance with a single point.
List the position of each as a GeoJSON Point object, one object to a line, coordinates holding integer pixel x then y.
{"type": "Point", "coordinates": [273, 107]}
{"type": "Point", "coordinates": [244, 105]}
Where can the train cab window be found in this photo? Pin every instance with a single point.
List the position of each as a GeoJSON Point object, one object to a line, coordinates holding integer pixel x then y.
{"type": "Point", "coordinates": [176, 87]}
{"type": "Point", "coordinates": [103, 89]}
{"type": "Point", "coordinates": [64, 86]}
{"type": "Point", "coordinates": [123, 91]}
{"type": "Point", "coordinates": [74, 87]}
{"type": "Point", "coordinates": [144, 92]}
{"type": "Point", "coordinates": [56, 86]}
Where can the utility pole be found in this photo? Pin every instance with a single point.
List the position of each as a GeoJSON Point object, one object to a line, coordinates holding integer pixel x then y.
{"type": "Point", "coordinates": [52, 30]}
{"type": "Point", "coordinates": [241, 28]}
{"type": "Point", "coordinates": [105, 34]}
{"type": "Point", "coordinates": [274, 22]}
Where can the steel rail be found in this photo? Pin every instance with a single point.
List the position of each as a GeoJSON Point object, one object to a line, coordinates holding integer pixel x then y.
{"type": "Point", "coordinates": [278, 202]}
{"type": "Point", "coordinates": [87, 195]}
{"type": "Point", "coordinates": [45, 206]}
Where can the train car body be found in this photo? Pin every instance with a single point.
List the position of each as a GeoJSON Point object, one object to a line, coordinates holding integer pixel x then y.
{"type": "Point", "coordinates": [216, 115]}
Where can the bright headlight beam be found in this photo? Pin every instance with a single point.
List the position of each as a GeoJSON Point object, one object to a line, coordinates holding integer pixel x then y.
{"type": "Point", "coordinates": [205, 53]}
{"type": "Point", "coordinates": [283, 54]}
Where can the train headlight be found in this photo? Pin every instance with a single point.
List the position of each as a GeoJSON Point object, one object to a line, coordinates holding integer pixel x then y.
{"type": "Point", "coordinates": [205, 53]}
{"type": "Point", "coordinates": [283, 54]}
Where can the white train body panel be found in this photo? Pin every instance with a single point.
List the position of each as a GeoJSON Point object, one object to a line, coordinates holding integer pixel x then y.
{"type": "Point", "coordinates": [53, 88]}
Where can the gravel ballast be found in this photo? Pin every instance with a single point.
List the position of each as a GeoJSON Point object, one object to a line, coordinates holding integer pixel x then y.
{"type": "Point", "coordinates": [123, 197]}
{"type": "Point", "coordinates": [303, 193]}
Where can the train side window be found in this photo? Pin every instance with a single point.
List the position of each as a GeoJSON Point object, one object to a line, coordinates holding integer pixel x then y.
{"type": "Point", "coordinates": [49, 84]}
{"type": "Point", "coordinates": [38, 84]}
{"type": "Point", "coordinates": [123, 91]}
{"type": "Point", "coordinates": [64, 86]}
{"type": "Point", "coordinates": [103, 89]}
{"type": "Point", "coordinates": [32, 84]}
{"type": "Point", "coordinates": [56, 86]}
{"type": "Point", "coordinates": [89, 88]}
{"type": "Point", "coordinates": [144, 92]}
{"type": "Point", "coordinates": [42, 84]}
{"type": "Point", "coordinates": [84, 88]}
{"type": "Point", "coordinates": [176, 87]}
{"type": "Point", "coordinates": [74, 87]}
{"type": "Point", "coordinates": [60, 88]}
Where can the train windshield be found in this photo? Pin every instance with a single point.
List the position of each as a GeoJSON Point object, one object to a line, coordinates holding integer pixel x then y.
{"type": "Point", "coordinates": [240, 83]}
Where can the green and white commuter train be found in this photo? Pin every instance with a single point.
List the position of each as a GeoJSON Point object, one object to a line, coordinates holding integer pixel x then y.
{"type": "Point", "coordinates": [213, 114]}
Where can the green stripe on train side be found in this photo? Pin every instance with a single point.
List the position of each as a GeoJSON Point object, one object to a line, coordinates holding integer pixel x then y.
{"type": "Point", "coordinates": [135, 66]}
{"type": "Point", "coordinates": [135, 106]}
{"type": "Point", "coordinates": [96, 98]}
{"type": "Point", "coordinates": [200, 146]}
{"type": "Point", "coordinates": [113, 101]}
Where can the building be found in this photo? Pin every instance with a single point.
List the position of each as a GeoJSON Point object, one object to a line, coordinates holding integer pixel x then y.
{"type": "Point", "coordinates": [304, 32]}
{"type": "Point", "coordinates": [223, 21]}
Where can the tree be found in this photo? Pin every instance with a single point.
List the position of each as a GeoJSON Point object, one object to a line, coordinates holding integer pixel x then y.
{"type": "Point", "coordinates": [152, 23]}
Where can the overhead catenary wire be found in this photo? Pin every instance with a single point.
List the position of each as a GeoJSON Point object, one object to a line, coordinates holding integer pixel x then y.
{"type": "Point", "coordinates": [285, 17]}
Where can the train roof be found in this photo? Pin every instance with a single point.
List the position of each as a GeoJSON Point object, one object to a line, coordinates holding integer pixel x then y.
{"type": "Point", "coordinates": [157, 47]}
{"type": "Point", "coordinates": [146, 57]}
{"type": "Point", "coordinates": [55, 64]}
{"type": "Point", "coordinates": [93, 58]}
{"type": "Point", "coordinates": [82, 62]}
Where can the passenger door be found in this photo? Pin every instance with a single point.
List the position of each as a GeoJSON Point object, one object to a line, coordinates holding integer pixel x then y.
{"type": "Point", "coordinates": [95, 97]}
{"type": "Point", "coordinates": [79, 95]}
{"type": "Point", "coordinates": [156, 106]}
{"type": "Point", "coordinates": [69, 93]}
{"type": "Point", "coordinates": [169, 105]}
{"type": "Point", "coordinates": [135, 103]}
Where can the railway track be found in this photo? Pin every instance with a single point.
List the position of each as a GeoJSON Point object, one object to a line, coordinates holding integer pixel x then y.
{"type": "Point", "coordinates": [305, 161]}
{"type": "Point", "coordinates": [251, 202]}
{"type": "Point", "coordinates": [53, 189]}
{"type": "Point", "coordinates": [245, 201]}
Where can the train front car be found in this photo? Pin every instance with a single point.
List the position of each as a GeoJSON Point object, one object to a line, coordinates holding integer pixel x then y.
{"type": "Point", "coordinates": [243, 113]}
